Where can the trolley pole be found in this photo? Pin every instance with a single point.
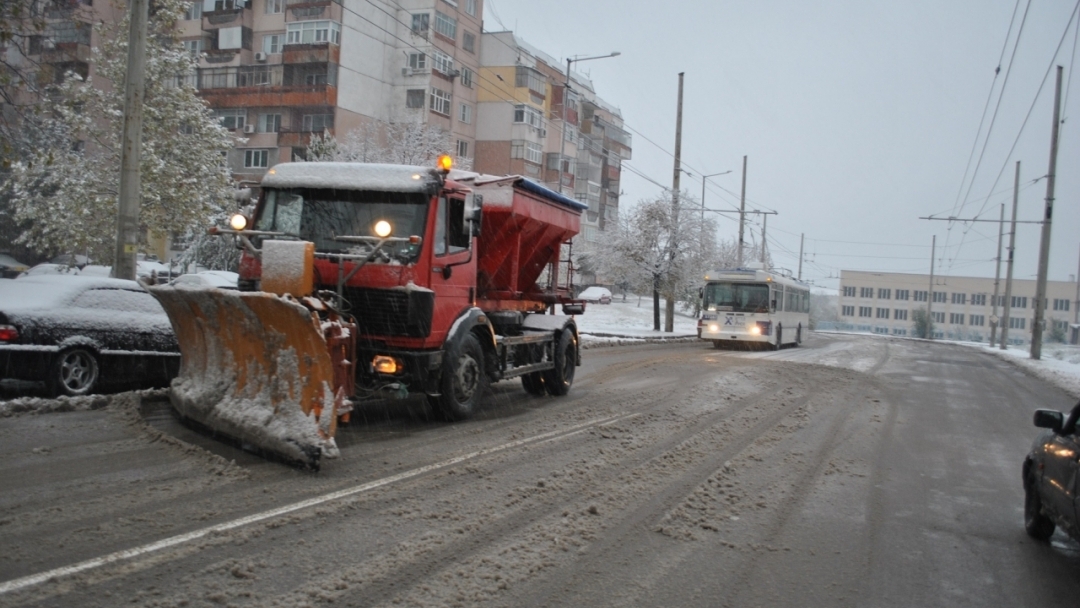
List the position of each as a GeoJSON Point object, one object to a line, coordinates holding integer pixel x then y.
{"type": "Point", "coordinates": [1009, 265]}
{"type": "Point", "coordinates": [742, 213]}
{"type": "Point", "coordinates": [127, 217]}
{"type": "Point", "coordinates": [669, 291]}
{"type": "Point", "coordinates": [930, 293]}
{"type": "Point", "coordinates": [802, 239]}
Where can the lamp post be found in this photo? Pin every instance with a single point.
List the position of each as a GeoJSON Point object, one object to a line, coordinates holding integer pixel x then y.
{"type": "Point", "coordinates": [703, 178]}
{"type": "Point", "coordinates": [566, 98]}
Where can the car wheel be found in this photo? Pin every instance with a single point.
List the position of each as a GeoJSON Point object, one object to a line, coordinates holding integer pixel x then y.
{"type": "Point", "coordinates": [463, 379]}
{"type": "Point", "coordinates": [75, 371]}
{"type": "Point", "coordinates": [1038, 525]}
{"type": "Point", "coordinates": [558, 380]}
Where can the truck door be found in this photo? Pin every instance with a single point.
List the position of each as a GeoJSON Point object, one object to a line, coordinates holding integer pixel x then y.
{"type": "Point", "coordinates": [453, 271]}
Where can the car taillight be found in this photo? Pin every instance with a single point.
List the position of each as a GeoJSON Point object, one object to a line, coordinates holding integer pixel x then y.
{"type": "Point", "coordinates": [8, 333]}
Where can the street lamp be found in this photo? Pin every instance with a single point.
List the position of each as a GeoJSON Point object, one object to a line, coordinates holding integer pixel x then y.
{"type": "Point", "coordinates": [566, 99]}
{"type": "Point", "coordinates": [703, 177]}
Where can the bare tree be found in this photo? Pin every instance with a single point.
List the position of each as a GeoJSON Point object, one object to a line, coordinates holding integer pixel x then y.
{"type": "Point", "coordinates": [399, 143]}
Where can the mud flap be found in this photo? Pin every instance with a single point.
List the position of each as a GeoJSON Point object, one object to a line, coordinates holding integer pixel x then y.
{"type": "Point", "coordinates": [255, 367]}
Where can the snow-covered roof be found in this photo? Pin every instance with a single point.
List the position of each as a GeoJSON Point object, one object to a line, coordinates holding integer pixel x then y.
{"type": "Point", "coordinates": [45, 291]}
{"type": "Point", "coordinates": [352, 176]}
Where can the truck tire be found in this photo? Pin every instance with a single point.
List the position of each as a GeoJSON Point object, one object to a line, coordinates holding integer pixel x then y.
{"type": "Point", "coordinates": [463, 379]}
{"type": "Point", "coordinates": [73, 372]}
{"type": "Point", "coordinates": [558, 380]}
{"type": "Point", "coordinates": [534, 384]}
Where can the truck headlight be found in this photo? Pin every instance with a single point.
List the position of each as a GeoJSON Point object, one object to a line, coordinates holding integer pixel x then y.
{"type": "Point", "coordinates": [386, 365]}
{"type": "Point", "coordinates": [383, 229]}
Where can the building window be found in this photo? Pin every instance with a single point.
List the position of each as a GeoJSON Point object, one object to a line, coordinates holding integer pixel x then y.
{"type": "Point", "coordinates": [884, 294]}
{"type": "Point", "coordinates": [233, 118]}
{"type": "Point", "coordinates": [440, 101]}
{"type": "Point", "coordinates": [939, 296]}
{"type": "Point", "coordinates": [1017, 323]}
{"type": "Point", "coordinates": [194, 47]}
{"type": "Point", "coordinates": [978, 299]}
{"type": "Point", "coordinates": [269, 123]}
{"type": "Point", "coordinates": [866, 292]}
{"type": "Point", "coordinates": [274, 7]}
{"type": "Point", "coordinates": [442, 62]}
{"type": "Point", "coordinates": [466, 77]}
{"type": "Point", "coordinates": [418, 61]}
{"type": "Point", "coordinates": [256, 159]}
{"type": "Point", "coordinates": [847, 311]}
{"type": "Point", "coordinates": [272, 43]}
{"type": "Point", "coordinates": [865, 311]}
{"type": "Point", "coordinates": [956, 318]}
{"type": "Point", "coordinates": [899, 332]}
{"type": "Point", "coordinates": [900, 314]}
{"type": "Point", "coordinates": [414, 98]}
{"type": "Point", "coordinates": [519, 148]}
{"type": "Point", "coordinates": [977, 320]}
{"type": "Point", "coordinates": [849, 292]}
{"type": "Point", "coordinates": [528, 115]}
{"type": "Point", "coordinates": [938, 317]}
{"type": "Point", "coordinates": [445, 25]}
{"type": "Point", "coordinates": [317, 123]}
{"type": "Point", "coordinates": [194, 11]}
{"type": "Point", "coordinates": [1019, 302]}
{"type": "Point", "coordinates": [462, 149]}
{"type": "Point", "coordinates": [313, 32]}
{"type": "Point", "coordinates": [470, 7]}
{"type": "Point", "coordinates": [528, 77]}
{"type": "Point", "coordinates": [959, 298]}
{"type": "Point", "coordinates": [468, 41]}
{"type": "Point", "coordinates": [465, 113]}
{"type": "Point", "coordinates": [902, 294]}
{"type": "Point", "coordinates": [452, 3]}
{"type": "Point", "coordinates": [420, 22]}
{"type": "Point", "coordinates": [920, 296]}
{"type": "Point", "coordinates": [883, 313]}
{"type": "Point", "coordinates": [1060, 304]}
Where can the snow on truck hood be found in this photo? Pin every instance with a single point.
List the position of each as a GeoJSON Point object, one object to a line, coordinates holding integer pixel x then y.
{"type": "Point", "coordinates": [352, 176]}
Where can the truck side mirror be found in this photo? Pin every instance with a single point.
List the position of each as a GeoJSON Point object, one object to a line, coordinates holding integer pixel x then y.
{"type": "Point", "coordinates": [474, 204]}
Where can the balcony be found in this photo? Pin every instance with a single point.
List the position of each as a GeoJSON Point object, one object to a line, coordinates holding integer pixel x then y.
{"type": "Point", "coordinates": [305, 84]}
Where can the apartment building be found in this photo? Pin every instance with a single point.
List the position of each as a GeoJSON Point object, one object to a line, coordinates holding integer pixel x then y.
{"type": "Point", "coordinates": [279, 71]}
{"type": "Point", "coordinates": [530, 124]}
{"type": "Point", "coordinates": [962, 307]}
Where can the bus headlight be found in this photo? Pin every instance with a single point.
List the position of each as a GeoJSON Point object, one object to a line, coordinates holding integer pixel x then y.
{"type": "Point", "coordinates": [755, 330]}
{"type": "Point", "coordinates": [713, 327]}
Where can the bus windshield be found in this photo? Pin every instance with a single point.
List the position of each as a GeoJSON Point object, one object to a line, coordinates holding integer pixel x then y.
{"type": "Point", "coordinates": [318, 215]}
{"type": "Point", "coordinates": [736, 297]}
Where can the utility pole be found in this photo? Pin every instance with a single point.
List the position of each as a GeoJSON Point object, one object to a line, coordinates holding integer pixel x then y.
{"type": "Point", "coordinates": [1044, 242]}
{"type": "Point", "coordinates": [127, 219]}
{"type": "Point", "coordinates": [930, 293]}
{"type": "Point", "coordinates": [1076, 308]}
{"type": "Point", "coordinates": [1009, 264]}
{"type": "Point", "coordinates": [802, 238]}
{"type": "Point", "coordinates": [669, 310]}
{"type": "Point", "coordinates": [997, 280]}
{"type": "Point", "coordinates": [742, 212]}
{"type": "Point", "coordinates": [764, 224]}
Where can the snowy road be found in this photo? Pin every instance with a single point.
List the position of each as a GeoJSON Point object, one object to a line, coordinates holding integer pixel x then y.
{"type": "Point", "coordinates": [849, 471]}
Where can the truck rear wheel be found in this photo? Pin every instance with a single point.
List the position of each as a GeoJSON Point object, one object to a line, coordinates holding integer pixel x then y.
{"type": "Point", "coordinates": [463, 379]}
{"type": "Point", "coordinates": [558, 380]}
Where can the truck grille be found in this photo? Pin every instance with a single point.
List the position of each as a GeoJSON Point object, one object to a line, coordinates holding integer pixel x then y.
{"type": "Point", "coordinates": [392, 312]}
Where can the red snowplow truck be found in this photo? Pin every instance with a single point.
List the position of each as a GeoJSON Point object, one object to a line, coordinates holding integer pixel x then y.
{"type": "Point", "coordinates": [362, 281]}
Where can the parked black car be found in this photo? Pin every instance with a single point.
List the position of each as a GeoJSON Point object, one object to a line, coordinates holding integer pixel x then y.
{"type": "Point", "coordinates": [77, 334]}
{"type": "Point", "coordinates": [1052, 476]}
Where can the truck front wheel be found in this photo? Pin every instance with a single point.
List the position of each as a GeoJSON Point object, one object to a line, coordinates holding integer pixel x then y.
{"type": "Point", "coordinates": [463, 379]}
{"type": "Point", "coordinates": [558, 380]}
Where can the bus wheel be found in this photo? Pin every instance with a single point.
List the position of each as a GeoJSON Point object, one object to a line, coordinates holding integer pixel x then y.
{"type": "Point", "coordinates": [779, 337]}
{"type": "Point", "coordinates": [798, 335]}
{"type": "Point", "coordinates": [716, 344]}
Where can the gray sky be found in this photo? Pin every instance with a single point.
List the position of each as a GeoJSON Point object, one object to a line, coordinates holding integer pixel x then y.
{"type": "Point", "coordinates": [858, 117]}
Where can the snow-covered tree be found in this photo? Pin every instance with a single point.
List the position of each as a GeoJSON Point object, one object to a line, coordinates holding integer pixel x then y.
{"type": "Point", "coordinates": [399, 143]}
{"type": "Point", "coordinates": [66, 195]}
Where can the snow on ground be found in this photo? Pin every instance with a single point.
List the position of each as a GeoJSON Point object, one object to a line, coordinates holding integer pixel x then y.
{"type": "Point", "coordinates": [1059, 363]}
{"type": "Point", "coordinates": [630, 322]}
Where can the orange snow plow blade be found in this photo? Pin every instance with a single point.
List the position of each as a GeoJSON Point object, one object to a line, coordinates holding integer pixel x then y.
{"type": "Point", "coordinates": [255, 367]}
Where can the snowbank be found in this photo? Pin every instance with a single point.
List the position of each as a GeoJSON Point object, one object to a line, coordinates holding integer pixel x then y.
{"type": "Point", "coordinates": [630, 322]}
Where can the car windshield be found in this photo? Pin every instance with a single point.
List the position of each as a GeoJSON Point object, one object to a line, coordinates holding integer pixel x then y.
{"type": "Point", "coordinates": [319, 215]}
{"type": "Point", "coordinates": [736, 297]}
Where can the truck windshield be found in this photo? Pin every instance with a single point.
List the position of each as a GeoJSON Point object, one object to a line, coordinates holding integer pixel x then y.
{"type": "Point", "coordinates": [319, 215]}
{"type": "Point", "coordinates": [736, 297]}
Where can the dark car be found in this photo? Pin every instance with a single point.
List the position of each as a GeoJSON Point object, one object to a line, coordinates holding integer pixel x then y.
{"type": "Point", "coordinates": [1052, 476]}
{"type": "Point", "coordinates": [77, 334]}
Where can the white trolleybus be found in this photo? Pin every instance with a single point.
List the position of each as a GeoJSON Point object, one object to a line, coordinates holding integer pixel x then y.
{"type": "Point", "coordinates": [741, 306]}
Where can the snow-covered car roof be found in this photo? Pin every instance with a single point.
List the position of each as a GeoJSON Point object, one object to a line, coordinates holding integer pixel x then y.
{"type": "Point", "coordinates": [594, 292]}
{"type": "Point", "coordinates": [49, 269]}
{"type": "Point", "coordinates": [36, 292]}
{"type": "Point", "coordinates": [12, 263]}
{"type": "Point", "coordinates": [352, 176]}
